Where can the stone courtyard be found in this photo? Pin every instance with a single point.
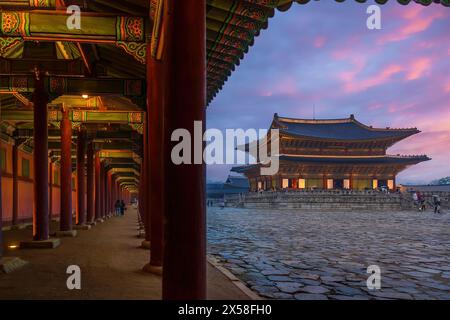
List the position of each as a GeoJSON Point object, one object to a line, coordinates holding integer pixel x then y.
{"type": "Point", "coordinates": [289, 254]}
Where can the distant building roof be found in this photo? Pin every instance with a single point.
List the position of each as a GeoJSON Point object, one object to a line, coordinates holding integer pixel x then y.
{"type": "Point", "coordinates": [237, 182]}
{"type": "Point", "coordinates": [233, 185]}
{"type": "Point", "coordinates": [337, 129]}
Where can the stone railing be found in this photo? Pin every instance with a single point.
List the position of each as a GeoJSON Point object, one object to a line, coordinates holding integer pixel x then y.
{"type": "Point", "coordinates": [325, 200]}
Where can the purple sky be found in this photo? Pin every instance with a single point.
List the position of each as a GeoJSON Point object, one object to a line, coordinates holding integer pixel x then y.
{"type": "Point", "coordinates": [322, 54]}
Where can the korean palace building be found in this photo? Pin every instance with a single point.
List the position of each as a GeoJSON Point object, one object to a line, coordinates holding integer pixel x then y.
{"type": "Point", "coordinates": [332, 154]}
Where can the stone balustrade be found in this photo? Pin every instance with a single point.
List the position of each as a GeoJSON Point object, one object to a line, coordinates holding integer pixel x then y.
{"type": "Point", "coordinates": [322, 200]}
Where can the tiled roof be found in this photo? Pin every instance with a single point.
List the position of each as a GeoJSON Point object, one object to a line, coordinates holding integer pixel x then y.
{"type": "Point", "coordinates": [348, 129]}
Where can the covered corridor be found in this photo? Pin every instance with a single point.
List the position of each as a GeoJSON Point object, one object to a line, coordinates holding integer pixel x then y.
{"type": "Point", "coordinates": [110, 259]}
{"type": "Point", "coordinates": [86, 119]}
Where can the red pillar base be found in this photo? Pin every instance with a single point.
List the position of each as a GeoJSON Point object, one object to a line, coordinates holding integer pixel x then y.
{"type": "Point", "coordinates": [148, 268]}
{"type": "Point", "coordinates": [40, 244]}
{"type": "Point", "coordinates": [82, 227]}
{"type": "Point", "coordinates": [66, 234]}
{"type": "Point", "coordinates": [145, 245]}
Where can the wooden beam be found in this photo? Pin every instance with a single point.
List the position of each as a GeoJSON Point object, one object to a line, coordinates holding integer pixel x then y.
{"type": "Point", "coordinates": [77, 116]}
{"type": "Point", "coordinates": [52, 26]}
{"type": "Point", "coordinates": [75, 85]}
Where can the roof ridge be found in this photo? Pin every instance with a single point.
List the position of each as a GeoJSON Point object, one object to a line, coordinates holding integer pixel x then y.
{"type": "Point", "coordinates": [351, 119]}
{"type": "Point", "coordinates": [302, 120]}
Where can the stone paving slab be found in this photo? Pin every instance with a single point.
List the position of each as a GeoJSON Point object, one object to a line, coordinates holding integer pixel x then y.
{"type": "Point", "coordinates": [288, 254]}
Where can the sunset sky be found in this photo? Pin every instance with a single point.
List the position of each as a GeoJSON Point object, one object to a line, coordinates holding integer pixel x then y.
{"type": "Point", "coordinates": [322, 54]}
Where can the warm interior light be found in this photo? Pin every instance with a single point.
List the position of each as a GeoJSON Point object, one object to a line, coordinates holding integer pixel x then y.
{"type": "Point", "coordinates": [13, 246]}
{"type": "Point", "coordinates": [85, 96]}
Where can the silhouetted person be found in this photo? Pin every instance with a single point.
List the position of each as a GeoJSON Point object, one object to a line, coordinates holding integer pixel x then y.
{"type": "Point", "coordinates": [122, 207]}
{"type": "Point", "coordinates": [117, 207]}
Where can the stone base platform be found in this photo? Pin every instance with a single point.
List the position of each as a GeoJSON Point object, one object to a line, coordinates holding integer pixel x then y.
{"type": "Point", "coordinates": [141, 235]}
{"type": "Point", "coordinates": [145, 244]}
{"type": "Point", "coordinates": [153, 269]}
{"type": "Point", "coordinates": [43, 244]}
{"type": "Point", "coordinates": [66, 234]}
{"type": "Point", "coordinates": [19, 227]}
{"type": "Point", "coordinates": [11, 264]}
{"type": "Point", "coordinates": [82, 227]}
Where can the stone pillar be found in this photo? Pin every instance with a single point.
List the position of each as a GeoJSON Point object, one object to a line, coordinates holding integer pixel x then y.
{"type": "Point", "coordinates": [65, 222]}
{"type": "Point", "coordinates": [81, 174]}
{"type": "Point", "coordinates": [184, 263]}
{"type": "Point", "coordinates": [40, 160]}
{"type": "Point", "coordinates": [90, 184]}
{"type": "Point", "coordinates": [98, 197]}
{"type": "Point", "coordinates": [15, 185]}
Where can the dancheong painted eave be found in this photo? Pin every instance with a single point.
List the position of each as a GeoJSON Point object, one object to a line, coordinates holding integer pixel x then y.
{"type": "Point", "coordinates": [386, 160]}
{"type": "Point", "coordinates": [232, 26]}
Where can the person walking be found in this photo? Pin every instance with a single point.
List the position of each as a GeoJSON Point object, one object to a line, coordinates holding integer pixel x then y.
{"type": "Point", "coordinates": [437, 204]}
{"type": "Point", "coordinates": [122, 208]}
{"type": "Point", "coordinates": [117, 207]}
{"type": "Point", "coordinates": [421, 200]}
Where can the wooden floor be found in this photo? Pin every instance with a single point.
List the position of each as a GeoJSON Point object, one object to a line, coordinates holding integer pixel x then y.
{"type": "Point", "coordinates": [110, 260]}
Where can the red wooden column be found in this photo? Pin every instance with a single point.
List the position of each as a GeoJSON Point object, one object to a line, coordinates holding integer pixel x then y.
{"type": "Point", "coordinates": [90, 184]}
{"type": "Point", "coordinates": [65, 222]}
{"type": "Point", "coordinates": [50, 190]}
{"type": "Point", "coordinates": [15, 185]}
{"type": "Point", "coordinates": [1, 216]}
{"type": "Point", "coordinates": [98, 197]}
{"type": "Point", "coordinates": [143, 195]}
{"type": "Point", "coordinates": [107, 193]}
{"type": "Point", "coordinates": [184, 264]}
{"type": "Point", "coordinates": [40, 159]}
{"type": "Point", "coordinates": [81, 191]}
{"type": "Point", "coordinates": [155, 164]}
{"type": "Point", "coordinates": [102, 190]}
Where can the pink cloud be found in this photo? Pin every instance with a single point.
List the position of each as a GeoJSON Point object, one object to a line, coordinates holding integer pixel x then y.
{"type": "Point", "coordinates": [352, 85]}
{"type": "Point", "coordinates": [418, 68]}
{"type": "Point", "coordinates": [415, 23]}
{"type": "Point", "coordinates": [319, 42]}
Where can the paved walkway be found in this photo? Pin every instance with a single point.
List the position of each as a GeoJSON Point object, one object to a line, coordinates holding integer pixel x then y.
{"type": "Point", "coordinates": [110, 263]}
{"type": "Point", "coordinates": [287, 254]}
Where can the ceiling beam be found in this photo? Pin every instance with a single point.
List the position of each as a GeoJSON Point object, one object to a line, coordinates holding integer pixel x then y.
{"type": "Point", "coordinates": [75, 85]}
{"type": "Point", "coordinates": [78, 116]}
{"type": "Point", "coordinates": [96, 27]}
